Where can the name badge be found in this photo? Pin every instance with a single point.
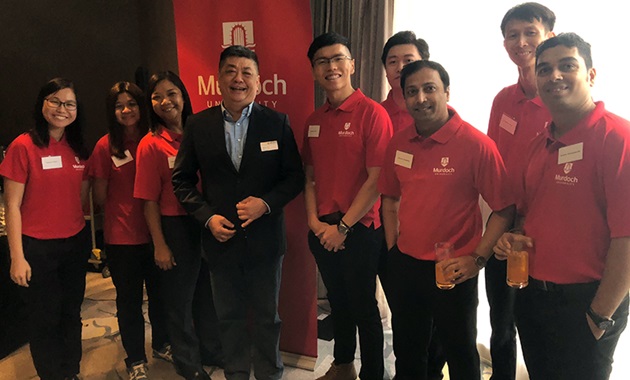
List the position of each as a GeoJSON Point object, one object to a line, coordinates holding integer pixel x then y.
{"type": "Point", "coordinates": [508, 123]}
{"type": "Point", "coordinates": [571, 153]}
{"type": "Point", "coordinates": [403, 159]}
{"type": "Point", "coordinates": [313, 131]}
{"type": "Point", "coordinates": [171, 162]}
{"type": "Point", "coordinates": [118, 162]}
{"type": "Point", "coordinates": [51, 162]}
{"type": "Point", "coordinates": [268, 145]}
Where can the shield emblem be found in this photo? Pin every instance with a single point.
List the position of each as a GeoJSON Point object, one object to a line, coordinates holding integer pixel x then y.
{"type": "Point", "coordinates": [567, 167]}
{"type": "Point", "coordinates": [444, 161]}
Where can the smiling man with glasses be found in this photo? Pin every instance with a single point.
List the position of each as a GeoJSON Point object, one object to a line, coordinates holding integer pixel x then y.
{"type": "Point", "coordinates": [344, 145]}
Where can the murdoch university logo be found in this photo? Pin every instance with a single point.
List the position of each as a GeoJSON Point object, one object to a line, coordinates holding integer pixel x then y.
{"type": "Point", "coordinates": [346, 126]}
{"type": "Point", "coordinates": [78, 166]}
{"type": "Point", "coordinates": [238, 33]}
{"type": "Point", "coordinates": [567, 167]}
{"type": "Point", "coordinates": [444, 162]}
{"type": "Point", "coordinates": [346, 132]}
{"type": "Point", "coordinates": [444, 170]}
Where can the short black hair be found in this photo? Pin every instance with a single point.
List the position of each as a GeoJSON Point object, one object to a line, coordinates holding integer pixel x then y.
{"type": "Point", "coordinates": [238, 51]}
{"type": "Point", "coordinates": [326, 39]}
{"type": "Point", "coordinates": [530, 12]}
{"type": "Point", "coordinates": [404, 38]}
{"type": "Point", "coordinates": [570, 40]}
{"type": "Point", "coordinates": [414, 67]}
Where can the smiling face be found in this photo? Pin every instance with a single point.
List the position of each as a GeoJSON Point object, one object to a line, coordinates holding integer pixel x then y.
{"type": "Point", "coordinates": [397, 57]}
{"type": "Point", "coordinates": [59, 116]}
{"type": "Point", "coordinates": [564, 82]}
{"type": "Point", "coordinates": [521, 40]}
{"type": "Point", "coordinates": [239, 82]}
{"type": "Point", "coordinates": [332, 68]}
{"type": "Point", "coordinates": [426, 98]}
{"type": "Point", "coordinates": [167, 102]}
{"type": "Point", "coordinates": [127, 110]}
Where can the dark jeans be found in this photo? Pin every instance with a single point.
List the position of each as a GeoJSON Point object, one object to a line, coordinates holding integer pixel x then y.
{"type": "Point", "coordinates": [246, 297]}
{"type": "Point", "coordinates": [191, 317]}
{"type": "Point", "coordinates": [133, 266]}
{"type": "Point", "coordinates": [556, 339]}
{"type": "Point", "coordinates": [418, 305]}
{"type": "Point", "coordinates": [350, 278]}
{"type": "Point", "coordinates": [54, 299]}
{"type": "Point", "coordinates": [501, 298]}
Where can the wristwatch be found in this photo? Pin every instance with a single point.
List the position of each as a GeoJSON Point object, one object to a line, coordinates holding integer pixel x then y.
{"type": "Point", "coordinates": [480, 261]}
{"type": "Point", "coordinates": [602, 323]}
{"type": "Point", "coordinates": [343, 228]}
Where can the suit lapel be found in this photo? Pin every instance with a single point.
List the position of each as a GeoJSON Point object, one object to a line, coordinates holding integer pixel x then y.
{"type": "Point", "coordinates": [216, 134]}
{"type": "Point", "coordinates": [252, 141]}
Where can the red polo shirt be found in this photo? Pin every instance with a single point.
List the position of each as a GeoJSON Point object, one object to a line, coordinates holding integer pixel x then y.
{"type": "Point", "coordinates": [400, 117]}
{"type": "Point", "coordinates": [573, 209]}
{"type": "Point", "coordinates": [51, 205]}
{"type": "Point", "coordinates": [439, 180]}
{"type": "Point", "coordinates": [514, 122]}
{"type": "Point", "coordinates": [124, 215]}
{"type": "Point", "coordinates": [155, 162]}
{"type": "Point", "coordinates": [341, 143]}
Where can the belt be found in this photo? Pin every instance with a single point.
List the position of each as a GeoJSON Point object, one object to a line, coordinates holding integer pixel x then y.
{"type": "Point", "coordinates": [332, 219]}
{"type": "Point", "coordinates": [549, 286]}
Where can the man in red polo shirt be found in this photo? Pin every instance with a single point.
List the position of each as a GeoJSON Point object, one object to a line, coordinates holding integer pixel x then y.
{"type": "Point", "coordinates": [575, 219]}
{"type": "Point", "coordinates": [433, 174]}
{"type": "Point", "coordinates": [344, 144]}
{"type": "Point", "coordinates": [516, 117]}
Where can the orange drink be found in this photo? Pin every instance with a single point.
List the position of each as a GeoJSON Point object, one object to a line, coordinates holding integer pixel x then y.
{"type": "Point", "coordinates": [443, 251]}
{"type": "Point", "coordinates": [517, 266]}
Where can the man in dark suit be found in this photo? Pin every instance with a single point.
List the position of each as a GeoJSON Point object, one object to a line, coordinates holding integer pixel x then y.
{"type": "Point", "coordinates": [250, 169]}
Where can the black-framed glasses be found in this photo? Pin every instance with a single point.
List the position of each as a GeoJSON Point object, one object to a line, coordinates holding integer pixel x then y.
{"type": "Point", "coordinates": [70, 105]}
{"type": "Point", "coordinates": [323, 61]}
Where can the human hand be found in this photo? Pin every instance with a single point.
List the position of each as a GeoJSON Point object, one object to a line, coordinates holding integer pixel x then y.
{"type": "Point", "coordinates": [222, 229]}
{"type": "Point", "coordinates": [460, 269]}
{"type": "Point", "coordinates": [597, 332]}
{"type": "Point", "coordinates": [504, 244]}
{"type": "Point", "coordinates": [20, 272]}
{"type": "Point", "coordinates": [331, 238]}
{"type": "Point", "coordinates": [250, 209]}
{"type": "Point", "coordinates": [164, 257]}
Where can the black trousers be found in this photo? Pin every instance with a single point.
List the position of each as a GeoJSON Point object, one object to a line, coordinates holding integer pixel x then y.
{"type": "Point", "coordinates": [350, 278]}
{"type": "Point", "coordinates": [417, 306]}
{"type": "Point", "coordinates": [556, 339]}
{"type": "Point", "coordinates": [54, 299]}
{"type": "Point", "coordinates": [132, 267]}
{"type": "Point", "coordinates": [191, 316]}
{"type": "Point", "coordinates": [501, 298]}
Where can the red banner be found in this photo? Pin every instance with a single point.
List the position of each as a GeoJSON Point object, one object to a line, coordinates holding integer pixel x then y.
{"type": "Point", "coordinates": [279, 31]}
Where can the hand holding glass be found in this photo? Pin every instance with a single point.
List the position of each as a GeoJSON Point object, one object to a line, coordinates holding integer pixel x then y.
{"type": "Point", "coordinates": [443, 251]}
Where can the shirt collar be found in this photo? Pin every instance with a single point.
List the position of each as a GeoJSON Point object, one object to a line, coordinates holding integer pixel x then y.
{"type": "Point", "coordinates": [349, 104]}
{"type": "Point", "coordinates": [442, 135]}
{"type": "Point", "coordinates": [169, 135]}
{"type": "Point", "coordinates": [575, 135]}
{"type": "Point", "coordinates": [247, 111]}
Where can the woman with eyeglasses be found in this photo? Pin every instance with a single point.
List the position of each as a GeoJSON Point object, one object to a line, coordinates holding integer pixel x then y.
{"type": "Point", "coordinates": [48, 240]}
{"type": "Point", "coordinates": [191, 318]}
{"type": "Point", "coordinates": [112, 168]}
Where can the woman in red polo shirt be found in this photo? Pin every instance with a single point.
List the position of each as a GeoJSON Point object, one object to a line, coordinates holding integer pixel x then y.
{"type": "Point", "coordinates": [46, 229]}
{"type": "Point", "coordinates": [176, 235]}
{"type": "Point", "coordinates": [113, 169]}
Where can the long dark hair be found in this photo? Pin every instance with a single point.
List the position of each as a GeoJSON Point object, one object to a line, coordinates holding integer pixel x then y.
{"type": "Point", "coordinates": [116, 131]}
{"type": "Point", "coordinates": [73, 132]}
{"type": "Point", "coordinates": [156, 78]}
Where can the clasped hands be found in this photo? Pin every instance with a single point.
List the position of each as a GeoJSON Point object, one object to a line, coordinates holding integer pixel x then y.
{"type": "Point", "coordinates": [248, 210]}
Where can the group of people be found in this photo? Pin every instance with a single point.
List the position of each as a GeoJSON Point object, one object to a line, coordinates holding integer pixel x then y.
{"type": "Point", "coordinates": [194, 210]}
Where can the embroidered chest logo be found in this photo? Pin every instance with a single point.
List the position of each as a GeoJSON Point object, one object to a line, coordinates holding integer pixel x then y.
{"type": "Point", "coordinates": [444, 170]}
{"type": "Point", "coordinates": [78, 166]}
{"type": "Point", "coordinates": [566, 179]}
{"type": "Point", "coordinates": [346, 132]}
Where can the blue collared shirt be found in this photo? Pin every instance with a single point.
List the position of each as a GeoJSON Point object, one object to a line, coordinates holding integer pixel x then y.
{"type": "Point", "coordinates": [236, 133]}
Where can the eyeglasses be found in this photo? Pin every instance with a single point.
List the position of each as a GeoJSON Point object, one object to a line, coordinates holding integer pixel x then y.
{"type": "Point", "coordinates": [70, 105]}
{"type": "Point", "coordinates": [323, 61]}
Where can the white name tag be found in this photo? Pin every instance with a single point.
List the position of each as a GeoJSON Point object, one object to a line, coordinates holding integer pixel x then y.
{"type": "Point", "coordinates": [171, 162]}
{"type": "Point", "coordinates": [313, 131]}
{"type": "Point", "coordinates": [403, 159]}
{"type": "Point", "coordinates": [51, 162]}
{"type": "Point", "coordinates": [571, 153]}
{"type": "Point", "coordinates": [268, 145]}
{"type": "Point", "coordinates": [118, 162]}
{"type": "Point", "coordinates": [508, 123]}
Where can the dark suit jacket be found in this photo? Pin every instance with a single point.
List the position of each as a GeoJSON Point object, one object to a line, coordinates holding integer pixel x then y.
{"type": "Point", "coordinates": [276, 176]}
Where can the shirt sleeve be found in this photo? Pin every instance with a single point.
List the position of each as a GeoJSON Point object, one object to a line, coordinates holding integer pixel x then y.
{"type": "Point", "coordinates": [100, 163]}
{"type": "Point", "coordinates": [148, 184]}
{"type": "Point", "coordinates": [380, 133]}
{"type": "Point", "coordinates": [15, 165]}
{"type": "Point", "coordinates": [616, 173]}
{"type": "Point", "coordinates": [388, 183]}
{"type": "Point", "coordinates": [491, 178]}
